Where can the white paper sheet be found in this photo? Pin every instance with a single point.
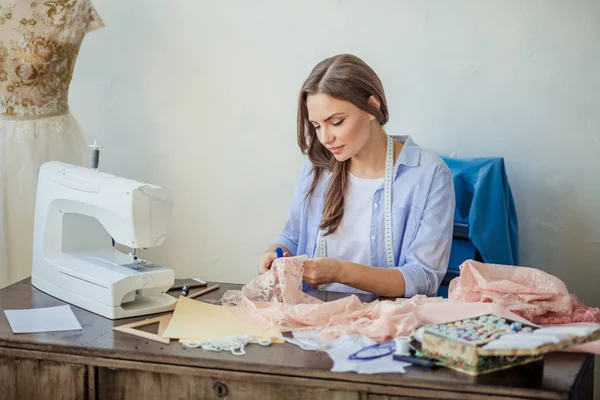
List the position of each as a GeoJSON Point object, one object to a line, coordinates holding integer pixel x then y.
{"type": "Point", "coordinates": [540, 337]}
{"type": "Point", "coordinates": [50, 319]}
{"type": "Point", "coordinates": [341, 348]}
{"type": "Point", "coordinates": [345, 345]}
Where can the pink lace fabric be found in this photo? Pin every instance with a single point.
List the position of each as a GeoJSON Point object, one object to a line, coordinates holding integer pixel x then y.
{"type": "Point", "coordinates": [278, 285]}
{"type": "Point", "coordinates": [534, 294]}
{"type": "Point", "coordinates": [275, 298]}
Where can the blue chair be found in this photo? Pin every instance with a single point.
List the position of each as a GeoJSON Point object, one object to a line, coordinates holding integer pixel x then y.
{"type": "Point", "coordinates": [485, 218]}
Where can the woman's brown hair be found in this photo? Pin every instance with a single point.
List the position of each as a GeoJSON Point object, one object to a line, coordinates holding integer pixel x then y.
{"type": "Point", "coordinates": [344, 77]}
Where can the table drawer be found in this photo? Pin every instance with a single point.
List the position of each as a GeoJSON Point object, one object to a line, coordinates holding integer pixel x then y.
{"type": "Point", "coordinates": [125, 384]}
{"type": "Point", "coordinates": [22, 378]}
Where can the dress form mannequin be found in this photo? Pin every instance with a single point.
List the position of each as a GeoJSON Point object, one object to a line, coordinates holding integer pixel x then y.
{"type": "Point", "coordinates": [39, 44]}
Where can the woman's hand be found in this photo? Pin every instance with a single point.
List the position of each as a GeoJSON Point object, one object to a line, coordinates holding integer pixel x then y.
{"type": "Point", "coordinates": [320, 270]}
{"type": "Point", "coordinates": [267, 259]}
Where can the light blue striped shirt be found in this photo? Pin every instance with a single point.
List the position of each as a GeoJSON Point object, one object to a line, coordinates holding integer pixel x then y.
{"type": "Point", "coordinates": [422, 218]}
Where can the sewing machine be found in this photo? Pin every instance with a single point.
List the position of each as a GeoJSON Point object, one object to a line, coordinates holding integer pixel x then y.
{"type": "Point", "coordinates": [78, 213]}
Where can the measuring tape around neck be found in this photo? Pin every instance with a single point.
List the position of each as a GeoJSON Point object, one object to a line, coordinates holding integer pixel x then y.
{"type": "Point", "coordinates": [387, 216]}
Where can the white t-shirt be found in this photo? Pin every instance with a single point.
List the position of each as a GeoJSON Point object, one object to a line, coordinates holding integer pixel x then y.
{"type": "Point", "coordinates": [351, 240]}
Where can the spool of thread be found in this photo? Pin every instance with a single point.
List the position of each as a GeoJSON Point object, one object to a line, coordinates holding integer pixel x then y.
{"type": "Point", "coordinates": [95, 158]}
{"type": "Point", "coordinates": [402, 345]}
{"type": "Point", "coordinates": [185, 290]}
{"type": "Point", "coordinates": [95, 154]}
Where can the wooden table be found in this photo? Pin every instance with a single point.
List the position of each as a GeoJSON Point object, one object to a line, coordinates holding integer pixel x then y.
{"type": "Point", "coordinates": [99, 363]}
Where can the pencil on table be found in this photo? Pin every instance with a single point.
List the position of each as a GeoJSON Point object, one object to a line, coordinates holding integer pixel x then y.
{"type": "Point", "coordinates": [200, 293]}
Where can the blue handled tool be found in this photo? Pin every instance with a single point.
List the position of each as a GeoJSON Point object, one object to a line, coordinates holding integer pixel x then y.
{"type": "Point", "coordinates": [421, 362]}
{"type": "Point", "coordinates": [279, 252]}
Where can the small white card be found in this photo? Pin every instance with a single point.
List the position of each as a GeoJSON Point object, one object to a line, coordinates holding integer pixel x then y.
{"type": "Point", "coordinates": [541, 337]}
{"type": "Point", "coordinates": [50, 319]}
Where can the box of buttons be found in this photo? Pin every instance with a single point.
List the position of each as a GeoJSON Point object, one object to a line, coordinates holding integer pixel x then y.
{"type": "Point", "coordinates": [490, 343]}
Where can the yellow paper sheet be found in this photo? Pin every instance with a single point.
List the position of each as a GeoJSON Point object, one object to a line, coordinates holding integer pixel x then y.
{"type": "Point", "coordinates": [197, 321]}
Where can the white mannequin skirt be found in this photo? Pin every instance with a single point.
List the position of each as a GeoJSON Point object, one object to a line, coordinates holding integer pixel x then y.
{"type": "Point", "coordinates": [26, 144]}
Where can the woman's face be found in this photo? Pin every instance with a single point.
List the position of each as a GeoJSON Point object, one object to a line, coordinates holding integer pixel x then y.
{"type": "Point", "coordinates": [341, 127]}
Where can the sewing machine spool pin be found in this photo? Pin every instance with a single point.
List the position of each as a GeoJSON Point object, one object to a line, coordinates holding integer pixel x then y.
{"type": "Point", "coordinates": [95, 154]}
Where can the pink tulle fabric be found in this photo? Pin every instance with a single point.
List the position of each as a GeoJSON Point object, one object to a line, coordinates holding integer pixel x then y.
{"type": "Point", "coordinates": [534, 294]}
{"type": "Point", "coordinates": [280, 285]}
{"type": "Point", "coordinates": [275, 298]}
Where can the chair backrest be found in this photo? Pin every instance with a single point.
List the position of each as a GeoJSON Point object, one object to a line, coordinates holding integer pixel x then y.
{"type": "Point", "coordinates": [485, 227]}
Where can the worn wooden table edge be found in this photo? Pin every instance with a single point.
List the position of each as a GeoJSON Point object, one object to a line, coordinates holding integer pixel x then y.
{"type": "Point", "coordinates": [101, 357]}
{"type": "Point", "coordinates": [88, 354]}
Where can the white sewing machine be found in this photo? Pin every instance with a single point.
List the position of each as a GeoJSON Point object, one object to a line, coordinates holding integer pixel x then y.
{"type": "Point", "coordinates": [78, 212]}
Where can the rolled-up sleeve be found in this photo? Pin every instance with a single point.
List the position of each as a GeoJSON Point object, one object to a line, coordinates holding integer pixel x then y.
{"type": "Point", "coordinates": [290, 234]}
{"type": "Point", "coordinates": [428, 255]}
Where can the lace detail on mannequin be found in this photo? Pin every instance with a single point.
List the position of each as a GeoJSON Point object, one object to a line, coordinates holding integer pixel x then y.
{"type": "Point", "coordinates": [39, 44]}
{"type": "Point", "coordinates": [29, 128]}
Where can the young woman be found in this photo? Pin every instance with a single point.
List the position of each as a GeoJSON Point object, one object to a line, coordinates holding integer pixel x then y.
{"type": "Point", "coordinates": [373, 212]}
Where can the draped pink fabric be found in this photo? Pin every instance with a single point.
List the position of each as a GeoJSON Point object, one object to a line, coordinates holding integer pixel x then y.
{"type": "Point", "coordinates": [534, 294]}
{"type": "Point", "coordinates": [275, 298]}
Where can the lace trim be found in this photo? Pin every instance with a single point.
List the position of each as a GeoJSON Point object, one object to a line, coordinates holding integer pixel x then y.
{"type": "Point", "coordinates": [29, 116]}
{"type": "Point", "coordinates": [234, 344]}
{"type": "Point", "coordinates": [308, 345]}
